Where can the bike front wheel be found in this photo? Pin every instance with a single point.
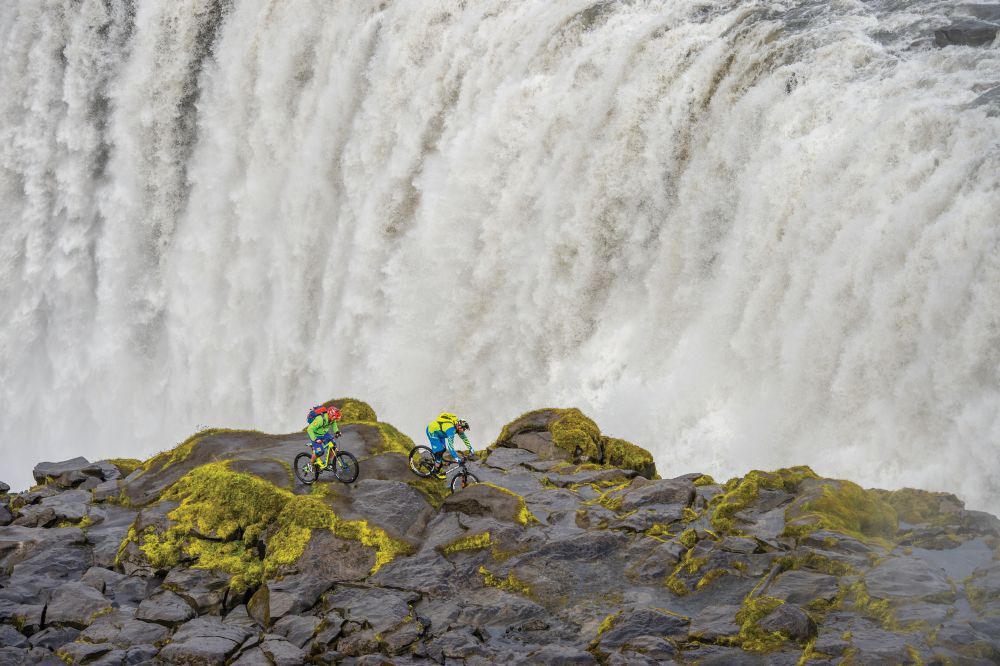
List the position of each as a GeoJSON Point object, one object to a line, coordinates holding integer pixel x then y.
{"type": "Point", "coordinates": [345, 467]}
{"type": "Point", "coordinates": [460, 481]}
{"type": "Point", "coordinates": [305, 471]}
{"type": "Point", "coordinates": [422, 461]}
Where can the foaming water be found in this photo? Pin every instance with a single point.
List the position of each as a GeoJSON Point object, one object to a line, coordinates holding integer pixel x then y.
{"type": "Point", "coordinates": [741, 235]}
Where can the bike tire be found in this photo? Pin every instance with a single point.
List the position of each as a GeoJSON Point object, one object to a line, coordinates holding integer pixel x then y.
{"type": "Point", "coordinates": [345, 467]}
{"type": "Point", "coordinates": [422, 461]}
{"type": "Point", "coordinates": [460, 481]}
{"type": "Point", "coordinates": [305, 471]}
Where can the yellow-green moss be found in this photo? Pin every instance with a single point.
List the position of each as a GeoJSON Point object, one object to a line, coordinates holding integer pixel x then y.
{"type": "Point", "coordinates": [607, 623]}
{"type": "Point", "coordinates": [471, 542]}
{"type": "Point", "coordinates": [879, 610]}
{"type": "Point", "coordinates": [751, 636]}
{"type": "Point", "coordinates": [223, 514]}
{"type": "Point", "coordinates": [523, 516]}
{"type": "Point", "coordinates": [677, 586]}
{"type": "Point", "coordinates": [704, 480]}
{"type": "Point", "coordinates": [125, 465]}
{"type": "Point", "coordinates": [626, 455]}
{"type": "Point", "coordinates": [688, 538]}
{"type": "Point", "coordinates": [690, 515]}
{"type": "Point", "coordinates": [353, 410]}
{"type": "Point", "coordinates": [847, 508]}
{"type": "Point", "coordinates": [712, 575]}
{"type": "Point", "coordinates": [509, 584]}
{"type": "Point", "coordinates": [433, 489]}
{"type": "Point", "coordinates": [741, 493]}
{"type": "Point", "coordinates": [658, 530]}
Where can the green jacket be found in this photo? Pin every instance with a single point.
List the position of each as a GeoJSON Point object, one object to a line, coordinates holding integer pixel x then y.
{"type": "Point", "coordinates": [321, 425]}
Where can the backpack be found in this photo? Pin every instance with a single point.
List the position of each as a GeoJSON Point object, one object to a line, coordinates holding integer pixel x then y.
{"type": "Point", "coordinates": [332, 412]}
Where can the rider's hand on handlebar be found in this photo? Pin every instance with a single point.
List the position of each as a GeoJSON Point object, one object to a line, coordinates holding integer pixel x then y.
{"type": "Point", "coordinates": [337, 434]}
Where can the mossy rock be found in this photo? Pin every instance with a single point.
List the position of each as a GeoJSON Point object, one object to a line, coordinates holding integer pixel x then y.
{"type": "Point", "coordinates": [842, 506]}
{"type": "Point", "coordinates": [921, 506]}
{"type": "Point", "coordinates": [353, 410]}
{"type": "Point", "coordinates": [626, 455]}
{"type": "Point", "coordinates": [244, 525]}
{"type": "Point", "coordinates": [568, 434]}
{"type": "Point", "coordinates": [741, 493]}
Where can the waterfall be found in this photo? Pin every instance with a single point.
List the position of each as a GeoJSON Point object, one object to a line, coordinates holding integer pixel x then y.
{"type": "Point", "coordinates": [741, 234]}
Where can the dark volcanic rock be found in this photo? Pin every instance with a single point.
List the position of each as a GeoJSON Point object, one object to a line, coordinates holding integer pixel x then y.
{"type": "Point", "coordinates": [790, 620]}
{"type": "Point", "coordinates": [394, 506]}
{"type": "Point", "coordinates": [966, 32]}
{"type": "Point", "coordinates": [75, 605]}
{"type": "Point", "coordinates": [165, 607]}
{"type": "Point", "coordinates": [204, 640]}
{"type": "Point", "coordinates": [484, 500]}
{"type": "Point", "coordinates": [715, 622]}
{"type": "Point", "coordinates": [909, 578]}
{"type": "Point", "coordinates": [802, 587]}
{"type": "Point", "coordinates": [122, 630]}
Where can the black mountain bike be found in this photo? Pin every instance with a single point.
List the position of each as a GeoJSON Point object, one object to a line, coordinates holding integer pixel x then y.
{"type": "Point", "coordinates": [344, 465]}
{"type": "Point", "coordinates": [423, 464]}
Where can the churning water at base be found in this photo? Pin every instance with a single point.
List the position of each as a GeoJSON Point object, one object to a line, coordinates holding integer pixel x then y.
{"type": "Point", "coordinates": [741, 234]}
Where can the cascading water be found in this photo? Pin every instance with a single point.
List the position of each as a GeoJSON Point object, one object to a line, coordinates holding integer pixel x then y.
{"type": "Point", "coordinates": [741, 234]}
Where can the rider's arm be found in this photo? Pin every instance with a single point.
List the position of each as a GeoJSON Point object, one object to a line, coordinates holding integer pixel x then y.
{"type": "Point", "coordinates": [468, 444]}
{"type": "Point", "coordinates": [335, 426]}
{"type": "Point", "coordinates": [450, 442]}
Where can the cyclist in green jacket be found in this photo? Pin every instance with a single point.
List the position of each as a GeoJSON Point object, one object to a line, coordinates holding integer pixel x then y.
{"type": "Point", "coordinates": [320, 428]}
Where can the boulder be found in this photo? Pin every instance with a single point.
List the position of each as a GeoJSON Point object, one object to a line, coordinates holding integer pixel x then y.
{"type": "Point", "coordinates": [122, 630]}
{"type": "Point", "coordinates": [560, 655]}
{"type": "Point", "coordinates": [666, 491]}
{"type": "Point", "coordinates": [165, 607]}
{"type": "Point", "coordinates": [75, 605]}
{"type": "Point", "coordinates": [966, 32]}
{"type": "Point", "coordinates": [11, 637]}
{"type": "Point", "coordinates": [289, 596]}
{"type": "Point", "coordinates": [297, 629]}
{"type": "Point", "coordinates": [802, 587]}
{"type": "Point", "coordinates": [53, 638]}
{"type": "Point", "coordinates": [281, 652]}
{"type": "Point", "coordinates": [380, 609]}
{"type": "Point", "coordinates": [84, 653]}
{"type": "Point", "coordinates": [203, 589]}
{"type": "Point", "coordinates": [506, 459]}
{"type": "Point", "coordinates": [642, 622]}
{"type": "Point", "coordinates": [715, 622]}
{"type": "Point", "coordinates": [4, 488]}
{"type": "Point", "coordinates": [204, 640]}
{"type": "Point", "coordinates": [791, 621]}
{"type": "Point", "coordinates": [398, 508]}
{"type": "Point", "coordinates": [909, 578]}
{"type": "Point", "coordinates": [6, 516]}
{"type": "Point", "coordinates": [486, 500]}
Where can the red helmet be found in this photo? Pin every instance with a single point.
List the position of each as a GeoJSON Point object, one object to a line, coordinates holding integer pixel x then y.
{"type": "Point", "coordinates": [333, 413]}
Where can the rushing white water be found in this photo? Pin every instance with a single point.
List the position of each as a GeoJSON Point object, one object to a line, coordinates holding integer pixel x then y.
{"type": "Point", "coordinates": [741, 234]}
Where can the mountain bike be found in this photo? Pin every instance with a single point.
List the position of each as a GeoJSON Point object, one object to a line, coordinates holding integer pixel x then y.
{"type": "Point", "coordinates": [344, 465]}
{"type": "Point", "coordinates": [424, 464]}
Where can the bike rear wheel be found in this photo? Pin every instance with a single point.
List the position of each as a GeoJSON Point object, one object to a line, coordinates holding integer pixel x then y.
{"type": "Point", "coordinates": [345, 467]}
{"type": "Point", "coordinates": [422, 461]}
{"type": "Point", "coordinates": [462, 480]}
{"type": "Point", "coordinates": [305, 471]}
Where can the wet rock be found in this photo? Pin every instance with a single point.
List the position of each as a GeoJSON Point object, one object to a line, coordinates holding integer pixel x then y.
{"type": "Point", "coordinates": [743, 545]}
{"type": "Point", "coordinates": [715, 622]}
{"type": "Point", "coordinates": [123, 591]}
{"type": "Point", "coordinates": [75, 605]}
{"type": "Point", "coordinates": [420, 573]}
{"type": "Point", "coordinates": [909, 578]}
{"type": "Point", "coordinates": [878, 647]}
{"type": "Point", "coordinates": [643, 622]}
{"type": "Point", "coordinates": [280, 652]}
{"type": "Point", "coordinates": [558, 655]}
{"type": "Point", "coordinates": [26, 617]}
{"type": "Point", "coordinates": [487, 501]}
{"type": "Point", "coordinates": [4, 488]}
{"type": "Point", "coordinates": [506, 459]}
{"type": "Point", "coordinates": [802, 587]}
{"type": "Point", "coordinates": [297, 629]}
{"type": "Point", "coordinates": [394, 506]}
{"type": "Point", "coordinates": [122, 630]}
{"type": "Point", "coordinates": [83, 652]}
{"type": "Point", "coordinates": [11, 637]}
{"type": "Point", "coordinates": [381, 609]}
{"type": "Point", "coordinates": [53, 638]}
{"type": "Point", "coordinates": [791, 621]}
{"type": "Point", "coordinates": [106, 491]}
{"type": "Point", "coordinates": [204, 640]}
{"type": "Point", "coordinates": [966, 32]}
{"type": "Point", "coordinates": [203, 589]}
{"type": "Point", "coordinates": [6, 516]}
{"type": "Point", "coordinates": [165, 607]}
{"type": "Point", "coordinates": [398, 640]}
{"type": "Point", "coordinates": [460, 644]}
{"type": "Point", "coordinates": [66, 473]}
{"type": "Point", "coordinates": [359, 643]}
{"type": "Point", "coordinates": [666, 491]}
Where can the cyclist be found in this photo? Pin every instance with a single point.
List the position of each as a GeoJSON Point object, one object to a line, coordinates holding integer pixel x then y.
{"type": "Point", "coordinates": [319, 430]}
{"type": "Point", "coordinates": [441, 434]}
